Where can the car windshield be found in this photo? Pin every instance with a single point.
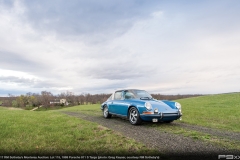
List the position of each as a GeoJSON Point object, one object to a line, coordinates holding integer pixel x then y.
{"type": "Point", "coordinates": [141, 94]}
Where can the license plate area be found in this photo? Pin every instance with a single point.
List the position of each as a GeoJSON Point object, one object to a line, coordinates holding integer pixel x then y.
{"type": "Point", "coordinates": [155, 120]}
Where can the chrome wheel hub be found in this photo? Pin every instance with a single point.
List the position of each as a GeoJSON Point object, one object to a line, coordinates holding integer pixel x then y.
{"type": "Point", "coordinates": [133, 116]}
{"type": "Point", "coordinates": [105, 111]}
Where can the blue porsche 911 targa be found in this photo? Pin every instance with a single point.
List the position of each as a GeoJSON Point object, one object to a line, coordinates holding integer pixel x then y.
{"type": "Point", "coordinates": [138, 105]}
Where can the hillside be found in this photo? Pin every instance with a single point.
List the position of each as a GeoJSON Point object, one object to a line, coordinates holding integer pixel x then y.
{"type": "Point", "coordinates": [218, 111]}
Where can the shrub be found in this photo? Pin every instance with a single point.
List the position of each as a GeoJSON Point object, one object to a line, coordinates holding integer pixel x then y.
{"type": "Point", "coordinates": [29, 107]}
{"type": "Point", "coordinates": [14, 103]}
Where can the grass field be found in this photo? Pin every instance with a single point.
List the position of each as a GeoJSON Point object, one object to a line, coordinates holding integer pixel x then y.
{"type": "Point", "coordinates": [3, 108]}
{"type": "Point", "coordinates": [217, 111]}
{"type": "Point", "coordinates": [93, 109]}
{"type": "Point", "coordinates": [214, 111]}
{"type": "Point", "coordinates": [53, 133]}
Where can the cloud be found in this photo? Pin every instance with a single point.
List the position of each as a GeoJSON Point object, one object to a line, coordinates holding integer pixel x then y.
{"type": "Point", "coordinates": [28, 82]}
{"type": "Point", "coordinates": [13, 79]}
{"type": "Point", "coordinates": [14, 61]}
{"type": "Point", "coordinates": [100, 46]}
{"type": "Point", "coordinates": [102, 20]}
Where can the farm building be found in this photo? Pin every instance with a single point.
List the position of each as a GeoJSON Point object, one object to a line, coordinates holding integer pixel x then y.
{"type": "Point", "coordinates": [59, 101]}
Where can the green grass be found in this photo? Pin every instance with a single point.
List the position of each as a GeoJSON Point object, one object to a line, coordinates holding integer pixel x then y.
{"type": "Point", "coordinates": [214, 111]}
{"type": "Point", "coordinates": [51, 108]}
{"type": "Point", "coordinates": [93, 109]}
{"type": "Point", "coordinates": [51, 132]}
{"type": "Point", "coordinates": [3, 108]}
{"type": "Point", "coordinates": [220, 111]}
{"type": "Point", "coordinates": [25, 132]}
{"type": "Point", "coordinates": [217, 111]}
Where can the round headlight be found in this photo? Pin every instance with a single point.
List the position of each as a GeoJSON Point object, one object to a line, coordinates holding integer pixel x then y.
{"type": "Point", "coordinates": [148, 106]}
{"type": "Point", "coordinates": [178, 105]}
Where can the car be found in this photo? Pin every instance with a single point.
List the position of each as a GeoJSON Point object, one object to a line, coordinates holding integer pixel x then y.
{"type": "Point", "coordinates": [138, 106]}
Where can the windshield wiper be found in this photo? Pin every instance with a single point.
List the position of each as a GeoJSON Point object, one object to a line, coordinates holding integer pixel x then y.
{"type": "Point", "coordinates": [145, 98]}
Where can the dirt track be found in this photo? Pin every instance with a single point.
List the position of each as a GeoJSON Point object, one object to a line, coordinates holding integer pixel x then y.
{"type": "Point", "coordinates": [169, 144]}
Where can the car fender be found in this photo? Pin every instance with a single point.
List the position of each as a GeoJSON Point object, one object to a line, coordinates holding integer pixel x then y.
{"type": "Point", "coordinates": [170, 104]}
{"type": "Point", "coordinates": [129, 107]}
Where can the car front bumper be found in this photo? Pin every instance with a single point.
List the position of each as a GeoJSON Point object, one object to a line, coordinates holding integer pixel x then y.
{"type": "Point", "coordinates": [161, 116]}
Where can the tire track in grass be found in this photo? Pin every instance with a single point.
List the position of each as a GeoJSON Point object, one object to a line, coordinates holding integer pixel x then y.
{"type": "Point", "coordinates": [167, 143]}
{"type": "Point", "coordinates": [215, 132]}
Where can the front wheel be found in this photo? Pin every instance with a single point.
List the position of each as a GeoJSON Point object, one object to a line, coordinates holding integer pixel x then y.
{"type": "Point", "coordinates": [106, 114]}
{"type": "Point", "coordinates": [134, 117]}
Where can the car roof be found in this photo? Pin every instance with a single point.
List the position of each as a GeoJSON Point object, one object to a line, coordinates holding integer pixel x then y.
{"type": "Point", "coordinates": [126, 90]}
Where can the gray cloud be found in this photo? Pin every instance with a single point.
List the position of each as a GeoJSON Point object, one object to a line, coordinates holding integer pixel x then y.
{"type": "Point", "coordinates": [99, 19]}
{"type": "Point", "coordinates": [13, 79]}
{"type": "Point", "coordinates": [118, 71]}
{"type": "Point", "coordinates": [107, 88]}
{"type": "Point", "coordinates": [30, 82]}
{"type": "Point", "coordinates": [51, 84]}
{"type": "Point", "coordinates": [14, 61]}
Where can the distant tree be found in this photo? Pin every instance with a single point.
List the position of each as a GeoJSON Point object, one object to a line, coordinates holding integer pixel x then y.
{"type": "Point", "coordinates": [22, 101]}
{"type": "Point", "coordinates": [87, 98]}
{"type": "Point", "coordinates": [8, 100]}
{"type": "Point", "coordinates": [71, 98]}
{"type": "Point", "coordinates": [62, 95]}
{"type": "Point", "coordinates": [81, 99]}
{"type": "Point", "coordinates": [46, 97]}
{"type": "Point", "coordinates": [37, 99]}
{"type": "Point", "coordinates": [15, 104]}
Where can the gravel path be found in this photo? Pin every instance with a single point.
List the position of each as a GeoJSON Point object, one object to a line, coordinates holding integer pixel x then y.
{"type": "Point", "coordinates": [169, 144]}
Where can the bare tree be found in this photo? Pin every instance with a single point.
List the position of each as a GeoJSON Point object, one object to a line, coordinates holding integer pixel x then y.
{"type": "Point", "coordinates": [46, 97]}
{"type": "Point", "coordinates": [81, 99]}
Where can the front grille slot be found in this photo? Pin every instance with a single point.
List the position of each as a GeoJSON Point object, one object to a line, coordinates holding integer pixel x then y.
{"type": "Point", "coordinates": [170, 114]}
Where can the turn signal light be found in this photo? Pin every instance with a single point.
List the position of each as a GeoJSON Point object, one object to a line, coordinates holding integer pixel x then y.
{"type": "Point", "coordinates": [147, 112]}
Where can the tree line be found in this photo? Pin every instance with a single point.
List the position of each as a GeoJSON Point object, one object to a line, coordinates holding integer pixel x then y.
{"type": "Point", "coordinates": [30, 100]}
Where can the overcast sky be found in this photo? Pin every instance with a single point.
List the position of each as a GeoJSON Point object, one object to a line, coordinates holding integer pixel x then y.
{"type": "Point", "coordinates": [98, 46]}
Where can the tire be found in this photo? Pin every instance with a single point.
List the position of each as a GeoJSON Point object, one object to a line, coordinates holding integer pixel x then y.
{"type": "Point", "coordinates": [106, 114]}
{"type": "Point", "coordinates": [134, 117]}
{"type": "Point", "coordinates": [168, 121]}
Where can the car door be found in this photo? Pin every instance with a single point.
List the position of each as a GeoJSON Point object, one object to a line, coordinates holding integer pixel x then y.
{"type": "Point", "coordinates": [119, 105]}
{"type": "Point", "coordinates": [112, 106]}
{"type": "Point", "coordinates": [110, 102]}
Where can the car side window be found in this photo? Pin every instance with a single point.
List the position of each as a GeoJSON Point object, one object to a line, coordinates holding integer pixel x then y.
{"type": "Point", "coordinates": [117, 95]}
{"type": "Point", "coordinates": [129, 95]}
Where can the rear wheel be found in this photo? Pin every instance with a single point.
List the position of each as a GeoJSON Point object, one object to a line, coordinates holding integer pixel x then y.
{"type": "Point", "coordinates": [134, 117]}
{"type": "Point", "coordinates": [106, 114]}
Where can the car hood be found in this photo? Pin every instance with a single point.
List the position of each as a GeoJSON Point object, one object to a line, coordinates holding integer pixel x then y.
{"type": "Point", "coordinates": [161, 106]}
